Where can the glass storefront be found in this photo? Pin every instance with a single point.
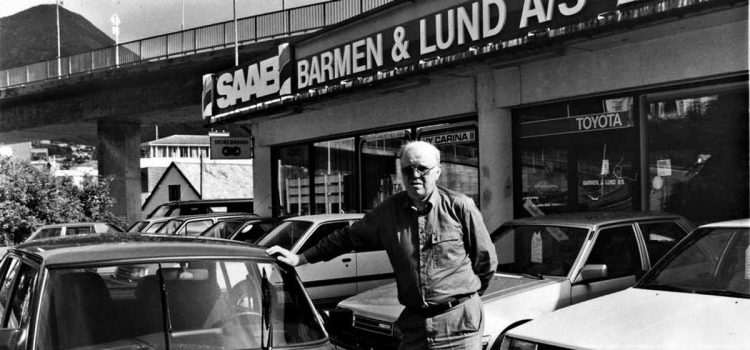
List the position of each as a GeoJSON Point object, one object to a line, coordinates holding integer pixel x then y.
{"type": "Point", "coordinates": [681, 151]}
{"type": "Point", "coordinates": [356, 173]}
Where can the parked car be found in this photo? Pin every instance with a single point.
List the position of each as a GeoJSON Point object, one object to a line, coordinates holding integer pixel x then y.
{"type": "Point", "coordinates": [696, 297]}
{"type": "Point", "coordinates": [147, 225]}
{"type": "Point", "coordinates": [247, 230]}
{"type": "Point", "coordinates": [202, 206]}
{"type": "Point", "coordinates": [71, 229]}
{"type": "Point", "coordinates": [328, 282]}
{"type": "Point", "coordinates": [203, 293]}
{"type": "Point", "coordinates": [544, 263]}
{"type": "Point", "coordinates": [193, 225]}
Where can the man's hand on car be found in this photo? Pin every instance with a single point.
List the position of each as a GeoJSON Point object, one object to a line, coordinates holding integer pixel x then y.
{"type": "Point", "coordinates": [286, 256]}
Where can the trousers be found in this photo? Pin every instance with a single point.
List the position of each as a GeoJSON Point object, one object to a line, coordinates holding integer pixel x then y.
{"type": "Point", "coordinates": [459, 328]}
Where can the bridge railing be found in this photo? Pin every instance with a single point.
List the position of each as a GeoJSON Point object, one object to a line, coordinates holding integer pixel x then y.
{"type": "Point", "coordinates": [217, 36]}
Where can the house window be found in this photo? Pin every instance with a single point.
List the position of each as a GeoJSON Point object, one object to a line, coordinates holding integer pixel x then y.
{"type": "Point", "coordinates": [174, 192]}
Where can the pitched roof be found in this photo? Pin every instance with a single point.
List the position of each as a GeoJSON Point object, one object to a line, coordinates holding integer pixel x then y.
{"type": "Point", "coordinates": [220, 180]}
{"type": "Point", "coordinates": [180, 140]}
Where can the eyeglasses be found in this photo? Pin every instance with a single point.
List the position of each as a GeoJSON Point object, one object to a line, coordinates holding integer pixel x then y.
{"type": "Point", "coordinates": [421, 170]}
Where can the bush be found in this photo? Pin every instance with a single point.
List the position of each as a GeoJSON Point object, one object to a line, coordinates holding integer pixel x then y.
{"type": "Point", "coordinates": [30, 198]}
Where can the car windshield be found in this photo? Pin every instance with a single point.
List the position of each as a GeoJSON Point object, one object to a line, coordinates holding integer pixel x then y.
{"type": "Point", "coordinates": [170, 227]}
{"type": "Point", "coordinates": [206, 304]}
{"type": "Point", "coordinates": [138, 226]}
{"type": "Point", "coordinates": [537, 249]}
{"type": "Point", "coordinates": [713, 261]}
{"type": "Point", "coordinates": [285, 234]}
{"type": "Point", "coordinates": [222, 229]}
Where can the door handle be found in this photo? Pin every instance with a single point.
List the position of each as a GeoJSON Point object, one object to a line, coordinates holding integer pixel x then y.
{"type": "Point", "coordinates": [346, 260]}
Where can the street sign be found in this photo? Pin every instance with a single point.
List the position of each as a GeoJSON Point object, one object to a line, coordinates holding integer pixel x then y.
{"type": "Point", "coordinates": [223, 147]}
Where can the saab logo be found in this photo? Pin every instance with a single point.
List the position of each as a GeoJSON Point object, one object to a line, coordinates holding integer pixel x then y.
{"type": "Point", "coordinates": [223, 147]}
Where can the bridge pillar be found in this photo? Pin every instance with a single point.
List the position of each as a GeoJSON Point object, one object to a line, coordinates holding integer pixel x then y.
{"type": "Point", "coordinates": [119, 155]}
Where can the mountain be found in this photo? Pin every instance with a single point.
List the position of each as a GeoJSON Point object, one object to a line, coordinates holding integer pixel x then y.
{"type": "Point", "coordinates": [31, 36]}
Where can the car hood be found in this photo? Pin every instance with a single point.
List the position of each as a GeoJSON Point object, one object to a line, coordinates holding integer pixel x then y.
{"type": "Point", "coordinates": [382, 304]}
{"type": "Point", "coordinates": [645, 319]}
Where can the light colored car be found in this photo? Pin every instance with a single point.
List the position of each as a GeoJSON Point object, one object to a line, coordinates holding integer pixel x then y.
{"type": "Point", "coordinates": [544, 263]}
{"type": "Point", "coordinates": [203, 294]}
{"type": "Point", "coordinates": [193, 225]}
{"type": "Point", "coordinates": [697, 297]}
{"type": "Point", "coordinates": [72, 228]}
{"type": "Point", "coordinates": [328, 282]}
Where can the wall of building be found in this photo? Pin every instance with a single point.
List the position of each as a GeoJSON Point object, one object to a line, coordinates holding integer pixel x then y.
{"type": "Point", "coordinates": [160, 194]}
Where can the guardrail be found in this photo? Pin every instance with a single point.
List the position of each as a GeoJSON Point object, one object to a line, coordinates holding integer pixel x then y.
{"type": "Point", "coordinates": [217, 36]}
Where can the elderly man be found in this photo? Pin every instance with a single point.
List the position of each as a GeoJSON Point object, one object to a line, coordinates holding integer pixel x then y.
{"type": "Point", "coordinates": [438, 246]}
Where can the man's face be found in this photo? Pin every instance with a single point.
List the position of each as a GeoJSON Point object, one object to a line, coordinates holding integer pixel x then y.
{"type": "Point", "coordinates": [421, 170]}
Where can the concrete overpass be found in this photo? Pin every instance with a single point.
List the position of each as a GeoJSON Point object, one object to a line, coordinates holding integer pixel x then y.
{"type": "Point", "coordinates": [115, 107]}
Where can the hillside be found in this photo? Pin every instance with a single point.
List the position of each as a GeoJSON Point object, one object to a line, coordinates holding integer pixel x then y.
{"type": "Point", "coordinates": [31, 36]}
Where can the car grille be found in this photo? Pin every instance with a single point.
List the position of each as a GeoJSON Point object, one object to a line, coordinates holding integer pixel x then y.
{"type": "Point", "coordinates": [373, 325]}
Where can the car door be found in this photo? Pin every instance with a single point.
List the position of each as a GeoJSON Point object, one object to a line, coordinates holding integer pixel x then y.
{"type": "Point", "coordinates": [373, 269]}
{"type": "Point", "coordinates": [328, 281]}
{"type": "Point", "coordinates": [16, 293]}
{"type": "Point", "coordinates": [195, 227]}
{"type": "Point", "coordinates": [617, 248]}
{"type": "Point", "coordinates": [659, 237]}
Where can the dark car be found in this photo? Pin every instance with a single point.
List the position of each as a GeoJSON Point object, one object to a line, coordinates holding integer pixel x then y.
{"type": "Point", "coordinates": [544, 263]}
{"type": "Point", "coordinates": [202, 206]}
{"type": "Point", "coordinates": [62, 293]}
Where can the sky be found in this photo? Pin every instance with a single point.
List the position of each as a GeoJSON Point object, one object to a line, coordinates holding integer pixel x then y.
{"type": "Point", "coordinates": [141, 19]}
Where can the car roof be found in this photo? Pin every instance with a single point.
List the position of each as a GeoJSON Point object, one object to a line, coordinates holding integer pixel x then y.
{"type": "Point", "coordinates": [210, 201]}
{"type": "Point", "coordinates": [73, 224]}
{"type": "Point", "coordinates": [592, 219]}
{"type": "Point", "coordinates": [96, 248]}
{"type": "Point", "coordinates": [213, 215]}
{"type": "Point", "coordinates": [730, 223]}
{"type": "Point", "coordinates": [318, 218]}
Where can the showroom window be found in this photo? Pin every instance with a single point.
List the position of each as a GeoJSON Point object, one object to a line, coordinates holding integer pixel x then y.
{"type": "Point", "coordinates": [577, 156]}
{"type": "Point", "coordinates": [357, 173]}
{"type": "Point", "coordinates": [698, 152]}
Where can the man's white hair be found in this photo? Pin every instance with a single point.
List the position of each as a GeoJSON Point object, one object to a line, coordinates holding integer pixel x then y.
{"type": "Point", "coordinates": [414, 145]}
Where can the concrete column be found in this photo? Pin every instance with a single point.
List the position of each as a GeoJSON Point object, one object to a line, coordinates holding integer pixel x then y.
{"type": "Point", "coordinates": [119, 156]}
{"type": "Point", "coordinates": [262, 174]}
{"type": "Point", "coordinates": [496, 152]}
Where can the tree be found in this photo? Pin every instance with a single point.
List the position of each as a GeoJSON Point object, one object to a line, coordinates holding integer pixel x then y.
{"type": "Point", "coordinates": [30, 197]}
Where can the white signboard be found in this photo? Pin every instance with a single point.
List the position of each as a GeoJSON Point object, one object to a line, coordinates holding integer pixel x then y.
{"type": "Point", "coordinates": [231, 147]}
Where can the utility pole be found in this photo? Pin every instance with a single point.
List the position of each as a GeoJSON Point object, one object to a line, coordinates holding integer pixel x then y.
{"type": "Point", "coordinates": [236, 47]}
{"type": "Point", "coordinates": [59, 59]}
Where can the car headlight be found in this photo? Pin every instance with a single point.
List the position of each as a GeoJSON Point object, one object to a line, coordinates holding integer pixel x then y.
{"type": "Point", "coordinates": [517, 344]}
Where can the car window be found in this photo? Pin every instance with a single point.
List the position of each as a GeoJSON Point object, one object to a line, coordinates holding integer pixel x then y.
{"type": "Point", "coordinates": [138, 226]}
{"type": "Point", "coordinates": [660, 237]}
{"type": "Point", "coordinates": [212, 304]}
{"type": "Point", "coordinates": [154, 227]}
{"type": "Point", "coordinates": [321, 232]}
{"type": "Point", "coordinates": [617, 248]}
{"type": "Point", "coordinates": [49, 232]}
{"type": "Point", "coordinates": [78, 230]}
{"type": "Point", "coordinates": [538, 249]}
{"type": "Point", "coordinates": [9, 269]}
{"type": "Point", "coordinates": [711, 261]}
{"type": "Point", "coordinates": [252, 232]}
{"type": "Point", "coordinates": [285, 234]}
{"type": "Point", "coordinates": [170, 227]}
{"type": "Point", "coordinates": [194, 228]}
{"type": "Point", "coordinates": [21, 299]}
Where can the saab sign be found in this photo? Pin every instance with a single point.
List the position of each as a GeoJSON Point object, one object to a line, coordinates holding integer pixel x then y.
{"type": "Point", "coordinates": [231, 147]}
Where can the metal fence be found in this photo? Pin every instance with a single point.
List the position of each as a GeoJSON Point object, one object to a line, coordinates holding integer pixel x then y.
{"type": "Point", "coordinates": [207, 38]}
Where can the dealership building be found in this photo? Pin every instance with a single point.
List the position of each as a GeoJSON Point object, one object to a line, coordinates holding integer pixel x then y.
{"type": "Point", "coordinates": [538, 106]}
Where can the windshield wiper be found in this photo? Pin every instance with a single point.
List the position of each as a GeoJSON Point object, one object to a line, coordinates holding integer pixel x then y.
{"type": "Point", "coordinates": [666, 287]}
{"type": "Point", "coordinates": [533, 275]}
{"type": "Point", "coordinates": [265, 307]}
{"type": "Point", "coordinates": [724, 292]}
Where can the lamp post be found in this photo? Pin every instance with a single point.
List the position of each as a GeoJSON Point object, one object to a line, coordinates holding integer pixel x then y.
{"type": "Point", "coordinates": [236, 47]}
{"type": "Point", "coordinates": [59, 59]}
{"type": "Point", "coordinates": [116, 31]}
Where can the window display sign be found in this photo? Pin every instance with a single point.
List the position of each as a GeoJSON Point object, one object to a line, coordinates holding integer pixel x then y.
{"type": "Point", "coordinates": [451, 137]}
{"type": "Point", "coordinates": [577, 124]}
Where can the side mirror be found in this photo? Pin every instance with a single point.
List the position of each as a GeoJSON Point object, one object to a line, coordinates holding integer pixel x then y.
{"type": "Point", "coordinates": [8, 338]}
{"type": "Point", "coordinates": [592, 272]}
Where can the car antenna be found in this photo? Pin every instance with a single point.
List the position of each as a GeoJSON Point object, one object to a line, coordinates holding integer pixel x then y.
{"type": "Point", "coordinates": [266, 312]}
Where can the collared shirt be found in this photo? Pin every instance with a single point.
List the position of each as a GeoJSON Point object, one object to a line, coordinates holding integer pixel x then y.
{"type": "Point", "coordinates": [436, 255]}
